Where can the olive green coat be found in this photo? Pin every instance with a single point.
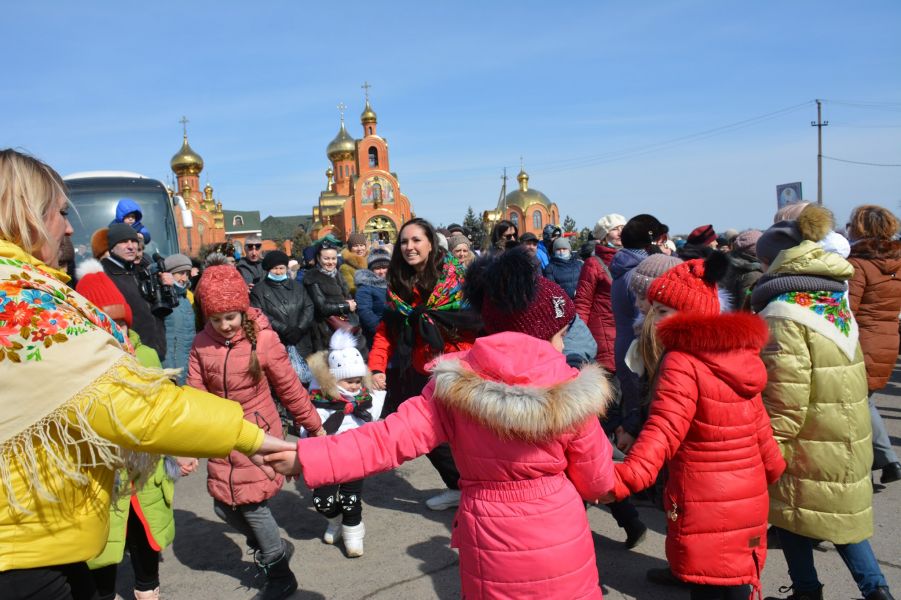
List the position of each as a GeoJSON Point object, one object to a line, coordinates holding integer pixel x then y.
{"type": "Point", "coordinates": [816, 397]}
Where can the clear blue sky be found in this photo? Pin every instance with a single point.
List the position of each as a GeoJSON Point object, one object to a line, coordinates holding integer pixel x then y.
{"type": "Point", "coordinates": [463, 89]}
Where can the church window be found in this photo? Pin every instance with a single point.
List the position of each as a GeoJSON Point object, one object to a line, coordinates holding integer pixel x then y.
{"type": "Point", "coordinates": [536, 220]}
{"type": "Point", "coordinates": [373, 157]}
{"type": "Point", "coordinates": [238, 220]}
{"type": "Point", "coordinates": [370, 131]}
{"type": "Point", "coordinates": [514, 218]}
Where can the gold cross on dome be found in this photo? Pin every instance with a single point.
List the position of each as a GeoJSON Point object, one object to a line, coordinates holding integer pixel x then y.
{"type": "Point", "coordinates": [341, 108]}
{"type": "Point", "coordinates": [366, 87]}
{"type": "Point", "coordinates": [184, 125]}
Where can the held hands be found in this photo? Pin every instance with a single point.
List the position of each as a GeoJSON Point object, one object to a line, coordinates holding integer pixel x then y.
{"type": "Point", "coordinates": [187, 466]}
{"type": "Point", "coordinates": [271, 444]}
{"type": "Point", "coordinates": [624, 439]}
{"type": "Point", "coordinates": [285, 463]}
{"type": "Point", "coordinates": [378, 381]}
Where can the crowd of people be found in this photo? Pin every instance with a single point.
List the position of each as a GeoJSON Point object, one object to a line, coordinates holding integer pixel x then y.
{"type": "Point", "coordinates": [728, 378]}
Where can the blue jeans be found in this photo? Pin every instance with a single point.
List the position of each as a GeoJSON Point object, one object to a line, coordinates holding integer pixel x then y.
{"type": "Point", "coordinates": [859, 559]}
{"type": "Point", "coordinates": [883, 453]}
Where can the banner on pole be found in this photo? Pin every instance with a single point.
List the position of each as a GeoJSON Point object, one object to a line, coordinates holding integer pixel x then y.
{"type": "Point", "coordinates": [787, 193]}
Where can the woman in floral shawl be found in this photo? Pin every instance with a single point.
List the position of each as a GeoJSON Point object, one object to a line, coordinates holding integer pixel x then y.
{"type": "Point", "coordinates": [75, 404]}
{"type": "Point", "coordinates": [425, 317]}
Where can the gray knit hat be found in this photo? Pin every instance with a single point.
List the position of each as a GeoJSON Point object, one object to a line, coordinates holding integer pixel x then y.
{"type": "Point", "coordinates": [457, 239]}
{"type": "Point", "coordinates": [650, 269]}
{"type": "Point", "coordinates": [562, 243]}
{"type": "Point", "coordinates": [176, 263]}
{"type": "Point", "coordinates": [781, 236]}
{"type": "Point", "coordinates": [378, 258]}
{"type": "Point", "coordinates": [746, 241]}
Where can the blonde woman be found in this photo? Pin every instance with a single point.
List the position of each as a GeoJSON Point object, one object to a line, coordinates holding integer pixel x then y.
{"type": "Point", "coordinates": [76, 405]}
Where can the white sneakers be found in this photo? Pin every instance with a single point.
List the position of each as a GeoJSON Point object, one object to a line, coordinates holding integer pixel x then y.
{"type": "Point", "coordinates": [353, 539]}
{"type": "Point", "coordinates": [333, 531]}
{"type": "Point", "coordinates": [444, 500]}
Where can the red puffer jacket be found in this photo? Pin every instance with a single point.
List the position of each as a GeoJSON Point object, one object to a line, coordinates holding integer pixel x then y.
{"type": "Point", "coordinates": [708, 421]}
{"type": "Point", "coordinates": [524, 432]}
{"type": "Point", "coordinates": [594, 306]}
{"type": "Point", "coordinates": [221, 367]}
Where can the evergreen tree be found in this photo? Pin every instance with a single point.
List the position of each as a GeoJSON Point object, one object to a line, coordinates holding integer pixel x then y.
{"type": "Point", "coordinates": [299, 242]}
{"type": "Point", "coordinates": [569, 224]}
{"type": "Point", "coordinates": [474, 224]}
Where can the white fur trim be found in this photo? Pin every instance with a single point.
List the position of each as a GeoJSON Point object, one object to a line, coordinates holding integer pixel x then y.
{"type": "Point", "coordinates": [86, 267]}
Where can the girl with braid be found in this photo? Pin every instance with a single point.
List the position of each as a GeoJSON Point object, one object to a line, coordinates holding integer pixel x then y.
{"type": "Point", "coordinates": [238, 356]}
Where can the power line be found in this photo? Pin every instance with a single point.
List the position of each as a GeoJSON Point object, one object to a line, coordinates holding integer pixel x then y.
{"type": "Point", "coordinates": [858, 162]}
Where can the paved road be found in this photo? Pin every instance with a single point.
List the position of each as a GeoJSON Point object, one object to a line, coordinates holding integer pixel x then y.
{"type": "Point", "coordinates": [407, 546]}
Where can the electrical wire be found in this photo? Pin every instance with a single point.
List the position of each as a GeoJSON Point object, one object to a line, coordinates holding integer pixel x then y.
{"type": "Point", "coordinates": [858, 162]}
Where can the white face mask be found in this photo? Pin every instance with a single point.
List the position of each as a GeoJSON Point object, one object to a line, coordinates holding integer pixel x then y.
{"type": "Point", "coordinates": [564, 254]}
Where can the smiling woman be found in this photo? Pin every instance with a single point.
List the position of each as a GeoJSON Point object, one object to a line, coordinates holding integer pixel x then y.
{"type": "Point", "coordinates": [75, 403]}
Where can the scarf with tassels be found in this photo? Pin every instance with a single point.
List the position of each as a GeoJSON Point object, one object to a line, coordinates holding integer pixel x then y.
{"type": "Point", "coordinates": [55, 348]}
{"type": "Point", "coordinates": [444, 309]}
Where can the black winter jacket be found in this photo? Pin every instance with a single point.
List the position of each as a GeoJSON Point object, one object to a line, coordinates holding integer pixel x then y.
{"type": "Point", "coordinates": [329, 296]}
{"type": "Point", "coordinates": [252, 272]}
{"type": "Point", "coordinates": [151, 329]}
{"type": "Point", "coordinates": [289, 310]}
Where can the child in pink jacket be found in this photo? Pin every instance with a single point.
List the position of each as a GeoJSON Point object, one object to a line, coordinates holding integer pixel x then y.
{"type": "Point", "coordinates": [523, 428]}
{"type": "Point", "coordinates": [238, 356]}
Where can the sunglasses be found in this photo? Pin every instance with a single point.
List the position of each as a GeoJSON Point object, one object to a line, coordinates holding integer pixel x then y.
{"type": "Point", "coordinates": [253, 246]}
{"type": "Point", "coordinates": [510, 236]}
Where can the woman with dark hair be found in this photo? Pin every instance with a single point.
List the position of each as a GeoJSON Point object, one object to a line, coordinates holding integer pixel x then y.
{"type": "Point", "coordinates": [504, 234]}
{"type": "Point", "coordinates": [875, 291]}
{"type": "Point", "coordinates": [333, 304]}
{"type": "Point", "coordinates": [425, 317]}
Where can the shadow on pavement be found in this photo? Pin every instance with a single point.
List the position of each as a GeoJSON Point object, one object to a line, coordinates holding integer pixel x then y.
{"type": "Point", "coordinates": [201, 545]}
{"type": "Point", "coordinates": [624, 571]}
{"type": "Point", "coordinates": [439, 562]}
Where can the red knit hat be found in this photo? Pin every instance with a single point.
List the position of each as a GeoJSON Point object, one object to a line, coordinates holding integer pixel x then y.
{"type": "Point", "coordinates": [702, 235]}
{"type": "Point", "coordinates": [689, 287]}
{"type": "Point", "coordinates": [95, 285]}
{"type": "Point", "coordinates": [222, 289]}
{"type": "Point", "coordinates": [550, 311]}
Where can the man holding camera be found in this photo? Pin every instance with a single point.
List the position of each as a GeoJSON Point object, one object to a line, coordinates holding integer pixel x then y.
{"type": "Point", "coordinates": [137, 285]}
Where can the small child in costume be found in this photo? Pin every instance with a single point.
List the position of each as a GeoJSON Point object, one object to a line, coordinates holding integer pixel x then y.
{"type": "Point", "coordinates": [343, 400]}
{"type": "Point", "coordinates": [129, 212]}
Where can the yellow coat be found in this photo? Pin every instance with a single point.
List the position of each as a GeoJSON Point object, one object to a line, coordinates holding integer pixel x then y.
{"type": "Point", "coordinates": [76, 406]}
{"type": "Point", "coordinates": [816, 397]}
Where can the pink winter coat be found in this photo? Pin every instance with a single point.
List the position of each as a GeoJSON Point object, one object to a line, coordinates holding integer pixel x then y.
{"type": "Point", "coordinates": [523, 428]}
{"type": "Point", "coordinates": [221, 367]}
{"type": "Point", "coordinates": [594, 305]}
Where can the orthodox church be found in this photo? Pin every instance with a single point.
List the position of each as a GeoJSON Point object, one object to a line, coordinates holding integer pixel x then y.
{"type": "Point", "coordinates": [527, 208]}
{"type": "Point", "coordinates": [362, 193]}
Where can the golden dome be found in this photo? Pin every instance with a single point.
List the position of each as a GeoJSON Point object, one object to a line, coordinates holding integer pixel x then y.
{"type": "Point", "coordinates": [186, 161]}
{"type": "Point", "coordinates": [368, 115]}
{"type": "Point", "coordinates": [525, 197]}
{"type": "Point", "coordinates": [343, 146]}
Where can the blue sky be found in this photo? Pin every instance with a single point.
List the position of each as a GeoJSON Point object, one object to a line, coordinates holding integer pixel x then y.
{"type": "Point", "coordinates": [463, 89]}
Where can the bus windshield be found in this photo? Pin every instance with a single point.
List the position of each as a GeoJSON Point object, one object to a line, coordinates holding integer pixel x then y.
{"type": "Point", "coordinates": [94, 202]}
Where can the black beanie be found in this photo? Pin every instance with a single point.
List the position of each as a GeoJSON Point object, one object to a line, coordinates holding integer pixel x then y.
{"type": "Point", "coordinates": [275, 258]}
{"type": "Point", "coordinates": [120, 232]}
{"type": "Point", "coordinates": [641, 230]}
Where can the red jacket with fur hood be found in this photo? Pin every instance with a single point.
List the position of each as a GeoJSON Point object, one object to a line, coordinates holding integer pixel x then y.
{"type": "Point", "coordinates": [875, 291]}
{"type": "Point", "coordinates": [221, 367]}
{"type": "Point", "coordinates": [708, 422]}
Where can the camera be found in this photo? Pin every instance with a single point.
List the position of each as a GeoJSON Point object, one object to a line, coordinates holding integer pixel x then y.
{"type": "Point", "coordinates": [163, 298]}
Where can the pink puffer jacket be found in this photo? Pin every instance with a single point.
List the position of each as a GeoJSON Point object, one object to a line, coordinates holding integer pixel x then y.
{"type": "Point", "coordinates": [221, 367]}
{"type": "Point", "coordinates": [524, 433]}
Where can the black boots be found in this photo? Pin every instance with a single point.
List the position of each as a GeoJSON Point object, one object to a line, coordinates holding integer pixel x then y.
{"type": "Point", "coordinates": [890, 474]}
{"type": "Point", "coordinates": [280, 581]}
{"type": "Point", "coordinates": [880, 594]}
{"type": "Point", "coordinates": [635, 533]}
{"type": "Point", "coordinates": [796, 595]}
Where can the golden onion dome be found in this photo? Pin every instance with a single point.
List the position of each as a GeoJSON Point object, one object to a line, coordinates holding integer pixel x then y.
{"type": "Point", "coordinates": [368, 115]}
{"type": "Point", "coordinates": [343, 146]}
{"type": "Point", "coordinates": [186, 161]}
{"type": "Point", "coordinates": [524, 196]}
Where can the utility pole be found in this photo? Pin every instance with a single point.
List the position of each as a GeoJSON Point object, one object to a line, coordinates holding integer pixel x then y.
{"type": "Point", "coordinates": [819, 124]}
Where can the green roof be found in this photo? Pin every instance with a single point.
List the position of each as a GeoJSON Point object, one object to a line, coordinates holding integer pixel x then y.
{"type": "Point", "coordinates": [241, 221]}
{"type": "Point", "coordinates": [282, 228]}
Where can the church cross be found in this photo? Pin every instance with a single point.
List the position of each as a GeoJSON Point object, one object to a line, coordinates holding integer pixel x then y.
{"type": "Point", "coordinates": [366, 87]}
{"type": "Point", "coordinates": [184, 124]}
{"type": "Point", "coordinates": [341, 108]}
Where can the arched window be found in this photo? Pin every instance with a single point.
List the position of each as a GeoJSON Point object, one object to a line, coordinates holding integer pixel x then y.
{"type": "Point", "coordinates": [514, 218]}
{"type": "Point", "coordinates": [238, 220]}
{"type": "Point", "coordinates": [536, 220]}
{"type": "Point", "coordinates": [370, 130]}
{"type": "Point", "coordinates": [373, 157]}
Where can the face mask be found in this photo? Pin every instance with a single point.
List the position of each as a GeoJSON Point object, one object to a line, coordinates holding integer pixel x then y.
{"type": "Point", "coordinates": [282, 277]}
{"type": "Point", "coordinates": [182, 286]}
{"type": "Point", "coordinates": [564, 254]}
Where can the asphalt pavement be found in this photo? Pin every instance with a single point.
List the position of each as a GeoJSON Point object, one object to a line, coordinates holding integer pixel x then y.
{"type": "Point", "coordinates": [408, 552]}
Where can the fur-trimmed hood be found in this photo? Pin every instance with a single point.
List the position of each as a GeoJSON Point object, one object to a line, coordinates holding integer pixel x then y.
{"type": "Point", "coordinates": [354, 260]}
{"type": "Point", "coordinates": [366, 277]}
{"type": "Point", "coordinates": [875, 249]}
{"type": "Point", "coordinates": [531, 396]}
{"type": "Point", "coordinates": [716, 341]}
{"type": "Point", "coordinates": [323, 378]}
